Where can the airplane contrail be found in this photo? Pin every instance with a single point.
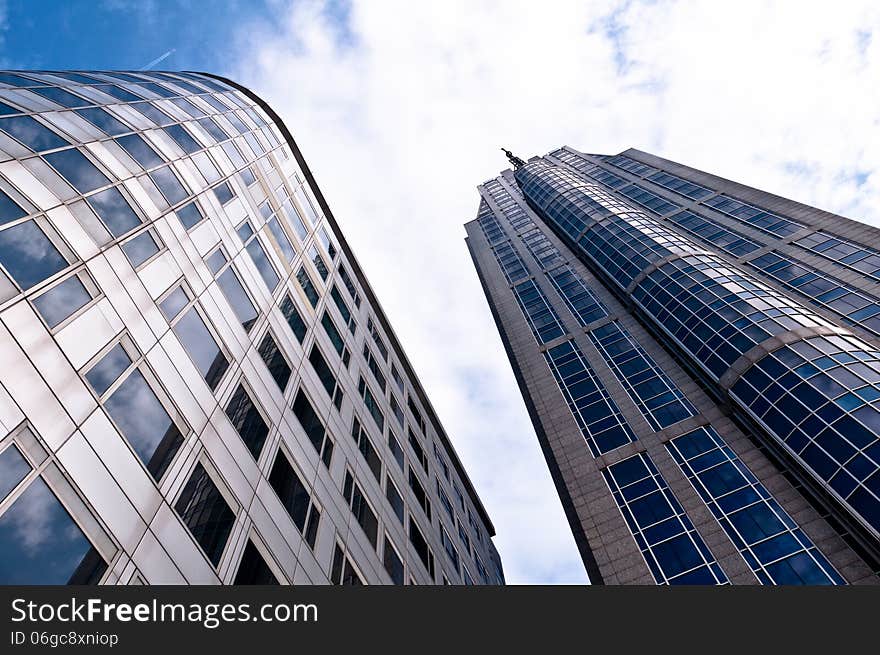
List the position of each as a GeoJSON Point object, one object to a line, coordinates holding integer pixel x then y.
{"type": "Point", "coordinates": [157, 60]}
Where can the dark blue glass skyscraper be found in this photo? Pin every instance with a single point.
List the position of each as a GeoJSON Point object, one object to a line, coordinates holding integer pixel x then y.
{"type": "Point", "coordinates": [701, 363]}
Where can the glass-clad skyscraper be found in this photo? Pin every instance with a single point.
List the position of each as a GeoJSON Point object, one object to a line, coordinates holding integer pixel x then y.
{"type": "Point", "coordinates": [701, 363]}
{"type": "Point", "coordinates": [197, 384]}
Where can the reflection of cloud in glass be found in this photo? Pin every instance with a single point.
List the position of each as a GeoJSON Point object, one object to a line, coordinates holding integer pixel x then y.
{"type": "Point", "coordinates": [13, 468]}
{"type": "Point", "coordinates": [114, 210]}
{"type": "Point", "coordinates": [39, 542]}
{"type": "Point", "coordinates": [76, 169]}
{"type": "Point", "coordinates": [62, 300]}
{"type": "Point", "coordinates": [138, 414]}
{"type": "Point", "coordinates": [200, 345]}
{"type": "Point", "coordinates": [28, 254]}
{"type": "Point", "coordinates": [34, 135]}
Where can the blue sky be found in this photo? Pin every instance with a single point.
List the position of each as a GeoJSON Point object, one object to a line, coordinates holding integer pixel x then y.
{"type": "Point", "coordinates": [400, 108]}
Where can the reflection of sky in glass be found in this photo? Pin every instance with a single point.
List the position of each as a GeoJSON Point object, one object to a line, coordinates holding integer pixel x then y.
{"type": "Point", "coordinates": [13, 468]}
{"type": "Point", "coordinates": [238, 298]}
{"type": "Point", "coordinates": [172, 305]}
{"type": "Point", "coordinates": [138, 414]}
{"type": "Point", "coordinates": [211, 127]}
{"type": "Point", "coordinates": [224, 193]}
{"type": "Point", "coordinates": [320, 265]}
{"type": "Point", "coordinates": [139, 150]}
{"type": "Point", "coordinates": [215, 261]}
{"type": "Point", "coordinates": [189, 215]}
{"type": "Point", "coordinates": [306, 205]}
{"type": "Point", "coordinates": [106, 372]}
{"type": "Point", "coordinates": [39, 542]}
{"type": "Point", "coordinates": [34, 135]}
{"type": "Point", "coordinates": [76, 169]}
{"type": "Point", "coordinates": [281, 238]}
{"type": "Point", "coordinates": [169, 185]}
{"type": "Point", "coordinates": [295, 219]}
{"type": "Point", "coordinates": [62, 300]}
{"type": "Point", "coordinates": [112, 208]}
{"type": "Point", "coordinates": [233, 154]}
{"type": "Point", "coordinates": [28, 255]}
{"type": "Point", "coordinates": [200, 345]}
{"type": "Point", "coordinates": [153, 113]}
{"type": "Point", "coordinates": [62, 97]}
{"type": "Point", "coordinates": [258, 255]}
{"type": "Point", "coordinates": [183, 138]}
{"type": "Point", "coordinates": [103, 121]}
{"type": "Point", "coordinates": [9, 210]}
{"type": "Point", "coordinates": [140, 249]}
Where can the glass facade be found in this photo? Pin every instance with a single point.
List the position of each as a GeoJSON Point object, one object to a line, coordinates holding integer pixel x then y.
{"type": "Point", "coordinates": [167, 266]}
{"type": "Point", "coordinates": [715, 352]}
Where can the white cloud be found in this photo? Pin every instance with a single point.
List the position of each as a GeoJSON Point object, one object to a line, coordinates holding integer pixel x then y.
{"type": "Point", "coordinates": [402, 113]}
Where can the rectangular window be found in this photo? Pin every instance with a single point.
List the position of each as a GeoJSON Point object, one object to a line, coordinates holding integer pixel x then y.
{"type": "Point", "coordinates": [395, 448]}
{"type": "Point", "coordinates": [61, 301]}
{"type": "Point", "coordinates": [332, 332]}
{"type": "Point", "coordinates": [325, 373]}
{"type": "Point", "coordinates": [318, 261]}
{"type": "Point", "coordinates": [247, 421]}
{"type": "Point", "coordinates": [420, 545]}
{"type": "Point", "coordinates": [367, 450]}
{"type": "Point", "coordinates": [419, 492]}
{"type": "Point", "coordinates": [416, 413]}
{"type": "Point", "coordinates": [307, 286]}
{"type": "Point", "coordinates": [371, 404]}
{"type": "Point", "coordinates": [349, 285]}
{"type": "Point", "coordinates": [416, 446]}
{"type": "Point", "coordinates": [377, 338]}
{"type": "Point", "coordinates": [362, 511]}
{"type": "Point", "coordinates": [206, 513]}
{"type": "Point", "coordinates": [253, 569]}
{"type": "Point", "coordinates": [442, 462]}
{"type": "Point", "coordinates": [294, 318]}
{"type": "Point", "coordinates": [291, 491]}
{"type": "Point", "coordinates": [275, 361]}
{"type": "Point", "coordinates": [309, 420]}
{"type": "Point", "coordinates": [392, 561]}
{"type": "Point", "coordinates": [394, 498]}
{"type": "Point", "coordinates": [449, 547]}
{"type": "Point", "coordinates": [373, 365]}
{"type": "Point", "coordinates": [396, 409]}
{"type": "Point", "coordinates": [398, 380]}
{"type": "Point", "coordinates": [189, 326]}
{"type": "Point", "coordinates": [282, 240]}
{"type": "Point", "coordinates": [343, 309]}
{"type": "Point", "coordinates": [342, 571]}
{"type": "Point", "coordinates": [444, 500]}
{"type": "Point", "coordinates": [29, 255]}
{"type": "Point", "coordinates": [258, 256]}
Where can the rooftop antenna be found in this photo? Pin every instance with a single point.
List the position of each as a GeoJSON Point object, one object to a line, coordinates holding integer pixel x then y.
{"type": "Point", "coordinates": [516, 161]}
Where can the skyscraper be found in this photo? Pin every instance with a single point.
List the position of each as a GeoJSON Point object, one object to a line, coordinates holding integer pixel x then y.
{"type": "Point", "coordinates": [197, 383]}
{"type": "Point", "coordinates": [701, 363]}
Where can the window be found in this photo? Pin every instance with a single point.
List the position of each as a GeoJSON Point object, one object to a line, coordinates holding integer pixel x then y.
{"type": "Point", "coordinates": [419, 492]}
{"type": "Point", "coordinates": [349, 285]}
{"type": "Point", "coordinates": [335, 337]}
{"type": "Point", "coordinates": [416, 413]}
{"type": "Point", "coordinates": [449, 547]}
{"type": "Point", "coordinates": [362, 511]}
{"type": "Point", "coordinates": [135, 409]}
{"type": "Point", "coordinates": [367, 450]}
{"type": "Point", "coordinates": [371, 404]}
{"type": "Point", "coordinates": [197, 340]}
{"type": "Point", "coordinates": [394, 498]}
{"type": "Point", "coordinates": [342, 571]}
{"type": "Point", "coordinates": [392, 561]}
{"type": "Point", "coordinates": [442, 462]}
{"type": "Point", "coordinates": [29, 255]}
{"type": "Point", "coordinates": [103, 121]}
{"type": "Point", "coordinates": [232, 288]}
{"type": "Point", "coordinates": [377, 339]}
{"type": "Point", "coordinates": [444, 500]}
{"type": "Point", "coordinates": [169, 185]}
{"type": "Point", "coordinates": [206, 513]}
{"type": "Point", "coordinates": [247, 421]}
{"type": "Point", "coordinates": [140, 248]}
{"type": "Point", "coordinates": [416, 446]}
{"type": "Point", "coordinates": [64, 299]}
{"type": "Point", "coordinates": [307, 286]}
{"type": "Point", "coordinates": [396, 409]}
{"type": "Point", "coordinates": [281, 239]}
{"type": "Point", "coordinates": [253, 569]}
{"type": "Point", "coordinates": [183, 138]}
{"type": "Point", "coordinates": [309, 420]}
{"type": "Point", "coordinates": [420, 545]}
{"type": "Point", "coordinates": [258, 255]}
{"type": "Point", "coordinates": [278, 367]}
{"type": "Point", "coordinates": [293, 318]}
{"type": "Point", "coordinates": [189, 215]}
{"type": "Point", "coordinates": [318, 261]}
{"type": "Point", "coordinates": [62, 97]}
{"type": "Point", "coordinates": [465, 539]}
{"type": "Point", "coordinates": [114, 211]}
{"type": "Point", "coordinates": [291, 491]}
{"type": "Point", "coordinates": [326, 242]}
{"type": "Point", "coordinates": [398, 380]}
{"type": "Point", "coordinates": [224, 193]}
{"type": "Point", "coordinates": [9, 209]}
{"type": "Point", "coordinates": [32, 133]}
{"type": "Point", "coordinates": [325, 374]}
{"type": "Point", "coordinates": [395, 448]}
{"type": "Point", "coordinates": [343, 309]}
{"type": "Point", "coordinates": [58, 553]}
{"type": "Point", "coordinates": [373, 365]}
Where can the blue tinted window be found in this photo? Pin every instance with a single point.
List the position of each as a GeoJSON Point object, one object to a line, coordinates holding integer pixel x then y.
{"type": "Point", "coordinates": [201, 346]}
{"type": "Point", "coordinates": [281, 238]}
{"type": "Point", "coordinates": [28, 255]}
{"type": "Point", "coordinates": [238, 298]}
{"type": "Point", "coordinates": [13, 469]}
{"type": "Point", "coordinates": [31, 133]}
{"type": "Point", "coordinates": [82, 174]}
{"type": "Point", "coordinates": [261, 261]}
{"type": "Point", "coordinates": [40, 544]}
{"type": "Point", "coordinates": [210, 126]}
{"type": "Point", "coordinates": [62, 300]}
{"type": "Point", "coordinates": [542, 318]}
{"type": "Point", "coordinates": [103, 121]}
{"type": "Point", "coordinates": [189, 215]}
{"type": "Point", "coordinates": [139, 150]}
{"type": "Point", "coordinates": [118, 92]}
{"type": "Point", "coordinates": [107, 371]}
{"type": "Point", "coordinates": [188, 107]}
{"type": "Point", "coordinates": [17, 80]}
{"type": "Point", "coordinates": [115, 212]}
{"type": "Point", "coordinates": [144, 423]}
{"type": "Point", "coordinates": [62, 97]}
{"type": "Point", "coordinates": [140, 248]}
{"type": "Point", "coordinates": [169, 185]}
{"type": "Point", "coordinates": [224, 193]}
{"type": "Point", "coordinates": [9, 209]}
{"type": "Point", "coordinates": [5, 109]}
{"type": "Point", "coordinates": [183, 138]}
{"type": "Point", "coordinates": [152, 112]}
